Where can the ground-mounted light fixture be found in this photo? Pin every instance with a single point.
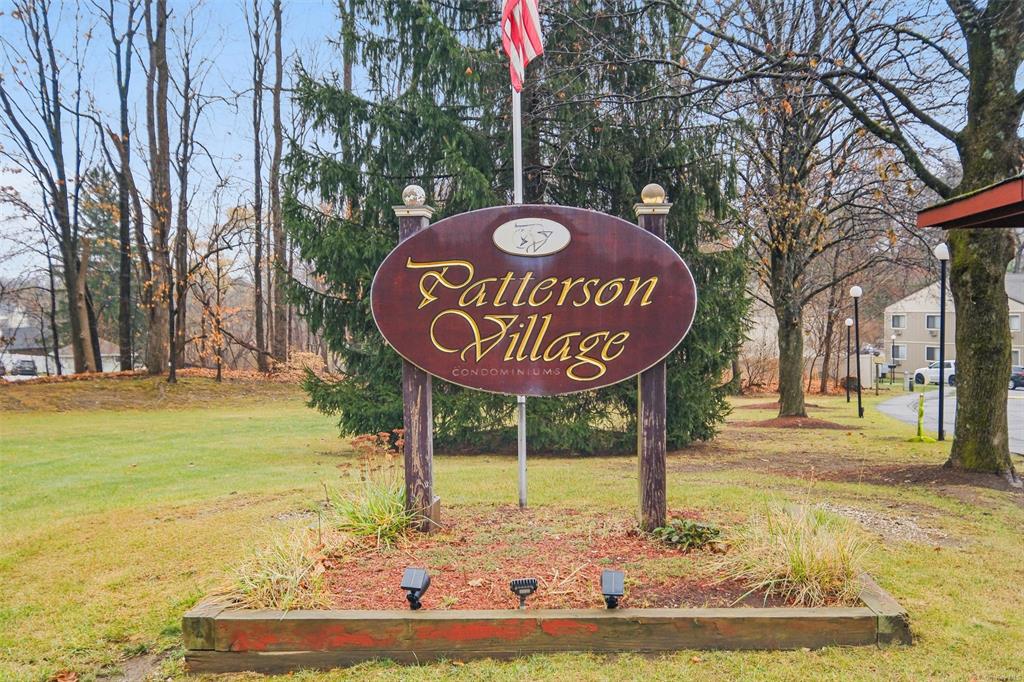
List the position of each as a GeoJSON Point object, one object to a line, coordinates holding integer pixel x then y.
{"type": "Point", "coordinates": [415, 582]}
{"type": "Point", "coordinates": [523, 588]}
{"type": "Point", "coordinates": [613, 585]}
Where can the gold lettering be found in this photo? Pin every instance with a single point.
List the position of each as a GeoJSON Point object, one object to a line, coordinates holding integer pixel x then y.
{"type": "Point", "coordinates": [563, 353]}
{"type": "Point", "coordinates": [650, 283]}
{"type": "Point", "coordinates": [583, 360]}
{"type": "Point", "coordinates": [503, 322]}
{"type": "Point", "coordinates": [522, 287]}
{"type": "Point", "coordinates": [435, 278]}
{"type": "Point", "coordinates": [480, 298]}
{"type": "Point", "coordinates": [521, 353]}
{"type": "Point", "coordinates": [617, 282]}
{"type": "Point", "coordinates": [568, 284]}
{"type": "Point", "coordinates": [535, 352]}
{"type": "Point", "coordinates": [586, 293]}
{"type": "Point", "coordinates": [501, 290]}
{"type": "Point", "coordinates": [618, 340]}
{"type": "Point", "coordinates": [543, 285]}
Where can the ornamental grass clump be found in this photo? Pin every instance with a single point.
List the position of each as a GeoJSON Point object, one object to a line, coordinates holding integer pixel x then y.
{"type": "Point", "coordinates": [286, 574]}
{"type": "Point", "coordinates": [802, 554]}
{"type": "Point", "coordinates": [377, 508]}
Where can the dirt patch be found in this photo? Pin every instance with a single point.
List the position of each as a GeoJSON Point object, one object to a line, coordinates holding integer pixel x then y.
{"type": "Point", "coordinates": [795, 423]}
{"type": "Point", "coordinates": [135, 669]}
{"type": "Point", "coordinates": [135, 391]}
{"type": "Point", "coordinates": [772, 406]}
{"type": "Point", "coordinates": [960, 484]}
{"type": "Point", "coordinates": [476, 554]}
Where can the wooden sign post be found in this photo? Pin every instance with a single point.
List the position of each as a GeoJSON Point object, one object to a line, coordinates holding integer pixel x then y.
{"type": "Point", "coordinates": [417, 393]}
{"type": "Point", "coordinates": [652, 215]}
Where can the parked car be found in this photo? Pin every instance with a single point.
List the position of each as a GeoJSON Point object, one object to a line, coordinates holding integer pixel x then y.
{"type": "Point", "coordinates": [24, 368]}
{"type": "Point", "coordinates": [1016, 377]}
{"type": "Point", "coordinates": [930, 374]}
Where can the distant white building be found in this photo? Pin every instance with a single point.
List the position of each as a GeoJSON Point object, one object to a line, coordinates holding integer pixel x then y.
{"type": "Point", "coordinates": [110, 356]}
{"type": "Point", "coordinates": [914, 321]}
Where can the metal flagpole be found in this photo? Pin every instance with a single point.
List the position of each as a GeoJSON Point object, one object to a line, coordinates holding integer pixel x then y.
{"type": "Point", "coordinates": [517, 198]}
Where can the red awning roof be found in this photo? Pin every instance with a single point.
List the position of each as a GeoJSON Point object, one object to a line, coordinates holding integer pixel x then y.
{"type": "Point", "coordinates": [1000, 205]}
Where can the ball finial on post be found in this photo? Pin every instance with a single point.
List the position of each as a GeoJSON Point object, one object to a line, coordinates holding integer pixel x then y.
{"type": "Point", "coordinates": [414, 195]}
{"type": "Point", "coordinates": [653, 194]}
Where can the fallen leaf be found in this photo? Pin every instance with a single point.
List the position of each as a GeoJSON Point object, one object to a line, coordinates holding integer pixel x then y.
{"type": "Point", "coordinates": [476, 582]}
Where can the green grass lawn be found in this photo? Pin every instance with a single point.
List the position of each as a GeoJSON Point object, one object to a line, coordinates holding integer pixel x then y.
{"type": "Point", "coordinates": [118, 517]}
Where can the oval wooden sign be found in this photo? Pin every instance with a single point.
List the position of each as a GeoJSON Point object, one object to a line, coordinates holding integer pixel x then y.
{"type": "Point", "coordinates": [533, 300]}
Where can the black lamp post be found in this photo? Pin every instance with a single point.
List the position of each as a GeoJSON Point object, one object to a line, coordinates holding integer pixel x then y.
{"type": "Point", "coordinates": [856, 292]}
{"type": "Point", "coordinates": [942, 253]}
{"type": "Point", "coordinates": [849, 326]}
{"type": "Point", "coordinates": [892, 361]}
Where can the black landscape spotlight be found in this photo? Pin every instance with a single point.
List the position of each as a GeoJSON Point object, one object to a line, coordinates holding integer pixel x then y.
{"type": "Point", "coordinates": [523, 588]}
{"type": "Point", "coordinates": [612, 587]}
{"type": "Point", "coordinates": [415, 582]}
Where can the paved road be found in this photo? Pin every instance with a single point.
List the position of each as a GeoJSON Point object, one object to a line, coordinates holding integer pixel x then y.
{"type": "Point", "coordinates": [904, 408]}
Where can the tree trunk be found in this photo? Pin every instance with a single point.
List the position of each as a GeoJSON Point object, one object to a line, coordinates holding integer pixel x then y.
{"type": "Point", "coordinates": [830, 330]}
{"type": "Point", "coordinates": [81, 312]}
{"type": "Point", "coordinates": [990, 151]}
{"type": "Point", "coordinates": [279, 343]}
{"type": "Point", "coordinates": [791, 360]}
{"type": "Point", "coordinates": [158, 339]}
{"type": "Point", "coordinates": [257, 203]}
{"type": "Point", "coordinates": [53, 313]}
{"type": "Point", "coordinates": [124, 276]}
{"type": "Point", "coordinates": [94, 333]}
{"type": "Point", "coordinates": [735, 386]}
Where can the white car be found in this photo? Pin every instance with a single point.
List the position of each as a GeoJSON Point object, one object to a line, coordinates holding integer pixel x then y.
{"type": "Point", "coordinates": [930, 374]}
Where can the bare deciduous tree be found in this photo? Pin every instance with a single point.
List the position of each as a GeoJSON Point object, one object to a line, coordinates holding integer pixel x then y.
{"type": "Point", "coordinates": [34, 123]}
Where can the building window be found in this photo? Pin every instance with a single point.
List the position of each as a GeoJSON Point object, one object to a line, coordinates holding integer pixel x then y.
{"type": "Point", "coordinates": [932, 321]}
{"type": "Point", "coordinates": [899, 351]}
{"type": "Point", "coordinates": [1014, 323]}
{"type": "Point", "coordinates": [931, 353]}
{"type": "Point", "coordinates": [1015, 356]}
{"type": "Point", "coordinates": [899, 321]}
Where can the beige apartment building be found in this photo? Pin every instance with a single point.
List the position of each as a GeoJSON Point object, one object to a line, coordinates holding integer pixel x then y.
{"type": "Point", "coordinates": [914, 320]}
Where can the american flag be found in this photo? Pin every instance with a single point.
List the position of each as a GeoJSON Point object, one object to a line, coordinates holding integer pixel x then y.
{"type": "Point", "coordinates": [520, 34]}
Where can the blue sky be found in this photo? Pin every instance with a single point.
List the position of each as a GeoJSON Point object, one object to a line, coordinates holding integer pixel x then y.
{"type": "Point", "coordinates": [226, 128]}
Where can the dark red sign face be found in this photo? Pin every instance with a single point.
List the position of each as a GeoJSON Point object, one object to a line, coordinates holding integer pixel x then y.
{"type": "Point", "coordinates": [533, 300]}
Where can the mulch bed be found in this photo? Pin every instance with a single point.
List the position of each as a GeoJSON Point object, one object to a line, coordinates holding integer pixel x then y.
{"type": "Point", "coordinates": [770, 406]}
{"type": "Point", "coordinates": [472, 559]}
{"type": "Point", "coordinates": [796, 423]}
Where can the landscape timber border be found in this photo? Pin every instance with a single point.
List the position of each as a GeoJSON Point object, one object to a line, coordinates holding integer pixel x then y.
{"type": "Point", "coordinates": [220, 639]}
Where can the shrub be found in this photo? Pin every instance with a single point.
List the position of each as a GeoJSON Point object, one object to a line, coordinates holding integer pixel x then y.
{"type": "Point", "coordinates": [377, 510]}
{"type": "Point", "coordinates": [286, 574]}
{"type": "Point", "coordinates": [802, 554]}
{"type": "Point", "coordinates": [686, 534]}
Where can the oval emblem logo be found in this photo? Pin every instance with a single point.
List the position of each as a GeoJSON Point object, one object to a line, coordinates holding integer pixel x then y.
{"type": "Point", "coordinates": [610, 302]}
{"type": "Point", "coordinates": [531, 236]}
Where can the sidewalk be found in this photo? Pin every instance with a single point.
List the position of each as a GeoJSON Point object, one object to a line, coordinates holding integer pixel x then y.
{"type": "Point", "coordinates": [904, 408]}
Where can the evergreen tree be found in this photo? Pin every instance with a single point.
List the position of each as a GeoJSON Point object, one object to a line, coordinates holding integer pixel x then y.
{"type": "Point", "coordinates": [100, 210]}
{"type": "Point", "coordinates": [598, 125]}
